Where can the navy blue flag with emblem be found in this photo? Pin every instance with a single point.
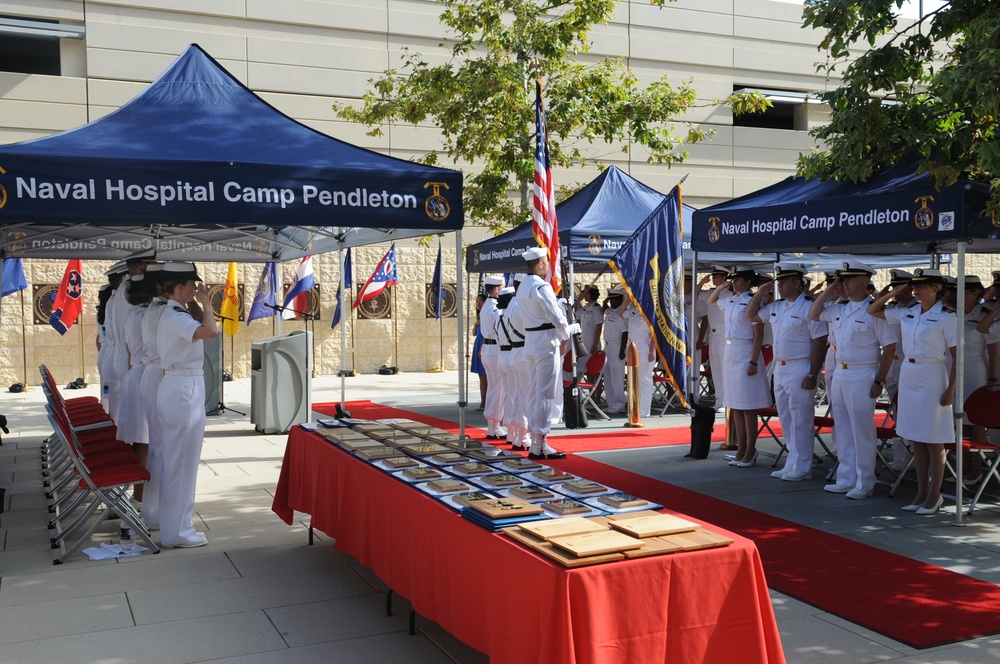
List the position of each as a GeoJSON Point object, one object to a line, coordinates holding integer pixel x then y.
{"type": "Point", "coordinates": [437, 286]}
{"type": "Point", "coordinates": [651, 269]}
{"type": "Point", "coordinates": [337, 313]}
{"type": "Point", "coordinates": [264, 300]}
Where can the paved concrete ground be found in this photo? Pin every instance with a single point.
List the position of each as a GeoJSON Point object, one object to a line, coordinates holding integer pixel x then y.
{"type": "Point", "coordinates": [257, 593]}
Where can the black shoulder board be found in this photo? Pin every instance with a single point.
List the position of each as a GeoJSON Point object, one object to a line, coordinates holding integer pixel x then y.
{"type": "Point", "coordinates": [180, 309]}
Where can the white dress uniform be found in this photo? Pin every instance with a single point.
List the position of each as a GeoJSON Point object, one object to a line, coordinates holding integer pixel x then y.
{"type": "Point", "coordinates": [119, 309]}
{"type": "Point", "coordinates": [506, 370]}
{"type": "Point", "coordinates": [639, 334]}
{"type": "Point", "coordinates": [591, 317]}
{"type": "Point", "coordinates": [490, 354]}
{"type": "Point", "coordinates": [111, 380]}
{"type": "Point", "coordinates": [793, 338]}
{"type": "Point", "coordinates": [521, 369]}
{"type": "Point", "coordinates": [132, 426]}
{"type": "Point", "coordinates": [149, 386]}
{"type": "Point", "coordinates": [181, 402]}
{"type": "Point", "coordinates": [743, 392]}
{"type": "Point", "coordinates": [545, 327]}
{"type": "Point", "coordinates": [926, 338]}
{"type": "Point", "coordinates": [614, 372]}
{"type": "Point", "coordinates": [860, 337]}
{"type": "Point", "coordinates": [892, 378]}
{"type": "Point", "coordinates": [693, 327]}
{"type": "Point", "coordinates": [977, 360]}
{"type": "Point", "coordinates": [716, 348]}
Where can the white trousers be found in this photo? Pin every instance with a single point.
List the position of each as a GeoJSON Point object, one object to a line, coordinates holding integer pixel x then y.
{"type": "Point", "coordinates": [149, 387]}
{"type": "Point", "coordinates": [119, 367]}
{"type": "Point", "coordinates": [493, 412]}
{"type": "Point", "coordinates": [854, 413]}
{"type": "Point", "coordinates": [717, 360]}
{"type": "Point", "coordinates": [521, 368]}
{"type": "Point", "coordinates": [132, 426]}
{"type": "Point", "coordinates": [542, 354]}
{"type": "Point", "coordinates": [510, 392]}
{"type": "Point", "coordinates": [181, 401]}
{"type": "Point", "coordinates": [795, 412]}
{"type": "Point", "coordinates": [614, 378]}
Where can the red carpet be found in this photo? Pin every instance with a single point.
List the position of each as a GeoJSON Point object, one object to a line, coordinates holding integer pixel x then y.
{"type": "Point", "coordinates": [911, 602]}
{"type": "Point", "coordinates": [581, 442]}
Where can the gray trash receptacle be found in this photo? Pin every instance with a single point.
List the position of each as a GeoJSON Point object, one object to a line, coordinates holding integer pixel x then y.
{"type": "Point", "coordinates": [281, 381]}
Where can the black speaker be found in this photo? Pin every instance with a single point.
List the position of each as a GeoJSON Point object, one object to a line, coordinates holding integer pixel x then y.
{"type": "Point", "coordinates": [702, 424]}
{"type": "Point", "coordinates": [213, 374]}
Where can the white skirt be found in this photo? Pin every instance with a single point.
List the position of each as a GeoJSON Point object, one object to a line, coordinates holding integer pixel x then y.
{"type": "Point", "coordinates": [744, 392]}
{"type": "Point", "coordinates": [922, 418]}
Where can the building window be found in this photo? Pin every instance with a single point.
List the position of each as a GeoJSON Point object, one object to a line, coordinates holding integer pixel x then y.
{"type": "Point", "coordinates": [786, 111]}
{"type": "Point", "coordinates": [31, 46]}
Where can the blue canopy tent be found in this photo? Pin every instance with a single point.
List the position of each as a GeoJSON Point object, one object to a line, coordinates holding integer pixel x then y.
{"type": "Point", "coordinates": [200, 168]}
{"type": "Point", "coordinates": [896, 211]}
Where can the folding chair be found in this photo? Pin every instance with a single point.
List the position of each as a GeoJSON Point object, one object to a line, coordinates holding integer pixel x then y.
{"type": "Point", "coordinates": [766, 415]}
{"type": "Point", "coordinates": [983, 409]}
{"type": "Point", "coordinates": [595, 367]}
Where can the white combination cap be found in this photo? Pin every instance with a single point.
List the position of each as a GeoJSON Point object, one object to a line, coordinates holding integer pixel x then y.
{"type": "Point", "coordinates": [493, 281]}
{"type": "Point", "coordinates": [534, 253]}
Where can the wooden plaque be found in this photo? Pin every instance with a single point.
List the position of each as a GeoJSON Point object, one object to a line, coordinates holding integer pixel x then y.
{"type": "Point", "coordinates": [654, 526]}
{"type": "Point", "coordinates": [597, 543]}
{"type": "Point", "coordinates": [572, 525]}
{"type": "Point", "coordinates": [562, 557]}
{"type": "Point", "coordinates": [500, 508]}
{"type": "Point", "coordinates": [448, 486]}
{"type": "Point", "coordinates": [422, 473]}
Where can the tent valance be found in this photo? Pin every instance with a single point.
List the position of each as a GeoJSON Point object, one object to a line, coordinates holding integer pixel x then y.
{"type": "Point", "coordinates": [200, 167]}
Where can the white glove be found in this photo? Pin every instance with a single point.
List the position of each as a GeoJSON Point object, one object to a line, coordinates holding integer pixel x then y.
{"type": "Point", "coordinates": [573, 329]}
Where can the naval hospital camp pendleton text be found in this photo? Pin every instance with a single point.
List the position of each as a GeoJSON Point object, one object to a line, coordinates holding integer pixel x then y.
{"type": "Point", "coordinates": [234, 192]}
{"type": "Point", "coordinates": [805, 222]}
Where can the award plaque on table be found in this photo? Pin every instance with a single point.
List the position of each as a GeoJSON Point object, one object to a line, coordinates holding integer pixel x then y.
{"type": "Point", "coordinates": [499, 508]}
{"type": "Point", "coordinates": [552, 475]}
{"type": "Point", "coordinates": [373, 429]}
{"type": "Point", "coordinates": [339, 436]}
{"type": "Point", "coordinates": [446, 458]}
{"type": "Point", "coordinates": [621, 500]}
{"type": "Point", "coordinates": [423, 473]}
{"type": "Point", "coordinates": [584, 487]}
{"type": "Point", "coordinates": [654, 525]}
{"type": "Point", "coordinates": [492, 454]}
{"type": "Point", "coordinates": [401, 439]}
{"type": "Point", "coordinates": [521, 464]}
{"type": "Point", "coordinates": [567, 506]}
{"type": "Point", "coordinates": [472, 468]}
{"type": "Point", "coordinates": [397, 463]}
{"type": "Point", "coordinates": [532, 493]}
{"type": "Point", "coordinates": [443, 437]}
{"type": "Point", "coordinates": [466, 498]}
{"type": "Point", "coordinates": [571, 525]}
{"type": "Point", "coordinates": [464, 444]}
{"type": "Point", "coordinates": [501, 480]}
{"type": "Point", "coordinates": [424, 449]}
{"type": "Point", "coordinates": [597, 543]}
{"type": "Point", "coordinates": [447, 486]}
{"type": "Point", "coordinates": [376, 453]}
{"type": "Point", "coordinates": [359, 444]}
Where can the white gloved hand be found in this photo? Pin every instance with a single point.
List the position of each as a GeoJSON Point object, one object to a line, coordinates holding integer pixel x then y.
{"type": "Point", "coordinates": [574, 329]}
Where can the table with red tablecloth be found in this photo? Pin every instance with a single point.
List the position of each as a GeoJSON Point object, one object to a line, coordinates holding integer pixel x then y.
{"type": "Point", "coordinates": [499, 597]}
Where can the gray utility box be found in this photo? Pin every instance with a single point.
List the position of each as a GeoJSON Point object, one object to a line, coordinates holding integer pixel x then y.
{"type": "Point", "coordinates": [281, 381]}
{"type": "Point", "coordinates": [213, 374]}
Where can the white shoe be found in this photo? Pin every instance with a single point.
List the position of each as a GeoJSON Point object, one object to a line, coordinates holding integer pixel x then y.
{"type": "Point", "coordinates": [796, 477]}
{"type": "Point", "coordinates": [199, 540]}
{"type": "Point", "coordinates": [778, 474]}
{"type": "Point", "coordinates": [858, 494]}
{"type": "Point", "coordinates": [838, 488]}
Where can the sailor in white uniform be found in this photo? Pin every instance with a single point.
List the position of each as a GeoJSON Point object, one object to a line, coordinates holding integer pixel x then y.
{"type": "Point", "coordinates": [181, 400]}
{"type": "Point", "coordinates": [149, 386]}
{"type": "Point", "coordinates": [716, 335]}
{"type": "Point", "coordinates": [591, 319]}
{"type": "Point", "coordinates": [545, 329]}
{"type": "Point", "coordinates": [899, 280]}
{"type": "Point", "coordinates": [864, 351]}
{"type": "Point", "coordinates": [799, 347]}
{"type": "Point", "coordinates": [490, 355]}
{"type": "Point", "coordinates": [505, 343]}
{"type": "Point", "coordinates": [640, 335]}
{"type": "Point", "coordinates": [928, 334]}
{"type": "Point", "coordinates": [615, 330]}
{"type": "Point", "coordinates": [135, 264]}
{"type": "Point", "coordinates": [111, 380]}
{"type": "Point", "coordinates": [521, 368]}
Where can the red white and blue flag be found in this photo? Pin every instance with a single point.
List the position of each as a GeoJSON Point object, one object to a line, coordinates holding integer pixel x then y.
{"type": "Point", "coordinates": [297, 300]}
{"type": "Point", "coordinates": [69, 299]}
{"type": "Point", "coordinates": [385, 275]}
{"type": "Point", "coordinates": [544, 224]}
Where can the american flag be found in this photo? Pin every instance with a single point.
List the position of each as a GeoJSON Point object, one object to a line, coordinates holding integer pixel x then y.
{"type": "Point", "coordinates": [544, 224]}
{"type": "Point", "coordinates": [383, 277]}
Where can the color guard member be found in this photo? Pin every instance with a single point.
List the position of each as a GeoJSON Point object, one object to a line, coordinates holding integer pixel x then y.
{"type": "Point", "coordinates": [615, 336]}
{"type": "Point", "coordinates": [490, 355]}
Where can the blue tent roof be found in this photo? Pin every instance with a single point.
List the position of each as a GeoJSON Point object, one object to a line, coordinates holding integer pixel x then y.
{"type": "Point", "coordinates": [897, 211]}
{"type": "Point", "coordinates": [197, 149]}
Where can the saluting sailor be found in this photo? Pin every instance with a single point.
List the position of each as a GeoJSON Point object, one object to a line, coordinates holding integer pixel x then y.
{"type": "Point", "coordinates": [799, 347]}
{"type": "Point", "coordinates": [490, 355]}
{"type": "Point", "coordinates": [182, 327]}
{"type": "Point", "coordinates": [899, 280]}
{"type": "Point", "coordinates": [864, 351]}
{"type": "Point", "coordinates": [929, 332]}
{"type": "Point", "coordinates": [149, 386]}
{"type": "Point", "coordinates": [746, 380]}
{"type": "Point", "coordinates": [716, 335]}
{"type": "Point", "coordinates": [135, 264]}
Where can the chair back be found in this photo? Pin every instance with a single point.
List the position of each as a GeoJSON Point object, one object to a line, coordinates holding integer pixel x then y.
{"type": "Point", "coordinates": [983, 408]}
{"type": "Point", "coordinates": [768, 352]}
{"type": "Point", "coordinates": [595, 363]}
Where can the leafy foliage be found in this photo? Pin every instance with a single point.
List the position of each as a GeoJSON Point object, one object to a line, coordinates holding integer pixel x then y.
{"type": "Point", "coordinates": [927, 87]}
{"type": "Point", "coordinates": [482, 99]}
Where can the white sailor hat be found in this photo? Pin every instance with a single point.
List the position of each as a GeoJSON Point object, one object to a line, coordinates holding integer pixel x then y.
{"type": "Point", "coordinates": [927, 275]}
{"type": "Point", "coordinates": [509, 290]}
{"type": "Point", "coordinates": [179, 271]}
{"type": "Point", "coordinates": [534, 253]}
{"type": "Point", "coordinates": [784, 270]}
{"type": "Point", "coordinates": [493, 281]}
{"type": "Point", "coordinates": [899, 277]}
{"type": "Point", "coordinates": [852, 268]}
{"type": "Point", "coordinates": [830, 276]}
{"type": "Point", "coordinates": [137, 278]}
{"type": "Point", "coordinates": [117, 268]}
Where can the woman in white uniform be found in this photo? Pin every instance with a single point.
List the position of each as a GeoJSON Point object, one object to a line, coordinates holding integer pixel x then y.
{"type": "Point", "coordinates": [131, 414]}
{"type": "Point", "coordinates": [746, 387]}
{"type": "Point", "coordinates": [614, 330]}
{"type": "Point", "coordinates": [181, 400]}
{"type": "Point", "coordinates": [926, 385]}
{"type": "Point", "coordinates": [149, 386]}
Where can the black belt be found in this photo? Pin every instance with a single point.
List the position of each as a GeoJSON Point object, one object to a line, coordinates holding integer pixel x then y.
{"type": "Point", "coordinates": [490, 342]}
{"type": "Point", "coordinates": [505, 348]}
{"type": "Point", "coordinates": [546, 326]}
{"type": "Point", "coordinates": [517, 344]}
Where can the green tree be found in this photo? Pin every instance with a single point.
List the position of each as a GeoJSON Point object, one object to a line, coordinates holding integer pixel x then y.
{"type": "Point", "coordinates": [927, 86]}
{"type": "Point", "coordinates": [482, 98]}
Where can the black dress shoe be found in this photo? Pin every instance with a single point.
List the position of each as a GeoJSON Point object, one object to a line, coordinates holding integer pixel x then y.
{"type": "Point", "coordinates": [518, 448]}
{"type": "Point", "coordinates": [553, 456]}
{"type": "Point", "coordinates": [490, 436]}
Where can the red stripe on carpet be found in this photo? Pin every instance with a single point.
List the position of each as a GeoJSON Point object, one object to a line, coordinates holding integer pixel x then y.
{"type": "Point", "coordinates": [581, 442]}
{"type": "Point", "coordinates": [909, 601]}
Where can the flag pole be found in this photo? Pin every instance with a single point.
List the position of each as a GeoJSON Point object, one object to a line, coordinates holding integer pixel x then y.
{"type": "Point", "coordinates": [24, 342]}
{"type": "Point", "coordinates": [395, 329]}
{"type": "Point", "coordinates": [83, 353]}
